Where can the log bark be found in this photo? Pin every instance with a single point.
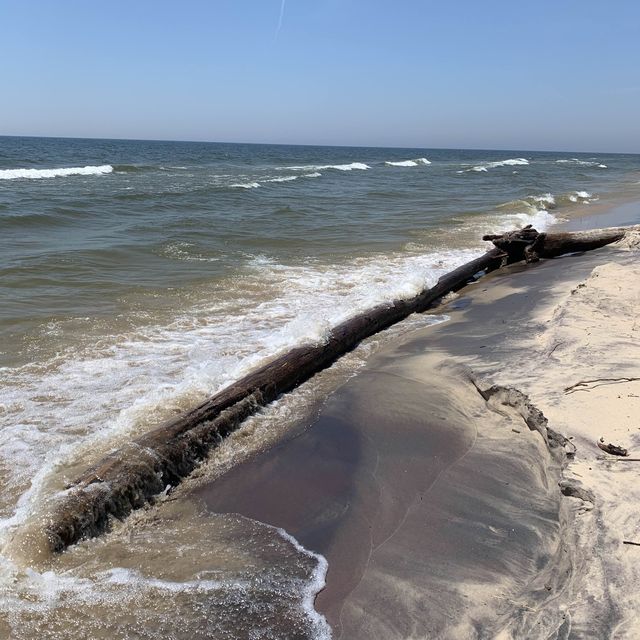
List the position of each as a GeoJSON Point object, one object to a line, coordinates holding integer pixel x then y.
{"type": "Point", "coordinates": [529, 245]}
{"type": "Point", "coordinates": [131, 476]}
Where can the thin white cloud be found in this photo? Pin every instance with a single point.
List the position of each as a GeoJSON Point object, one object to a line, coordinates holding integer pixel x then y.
{"type": "Point", "coordinates": [280, 19]}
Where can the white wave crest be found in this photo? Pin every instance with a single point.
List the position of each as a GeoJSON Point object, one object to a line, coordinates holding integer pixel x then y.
{"type": "Point", "coordinates": [245, 185]}
{"type": "Point", "coordinates": [583, 163]}
{"type": "Point", "coordinates": [510, 162]}
{"type": "Point", "coordinates": [281, 179]}
{"type": "Point", "coordinates": [38, 174]}
{"type": "Point", "coordinates": [277, 179]}
{"type": "Point", "coordinates": [580, 196]}
{"type": "Point", "coordinates": [359, 166]}
{"type": "Point", "coordinates": [545, 199]}
{"type": "Point", "coordinates": [408, 163]}
{"type": "Point", "coordinates": [540, 220]}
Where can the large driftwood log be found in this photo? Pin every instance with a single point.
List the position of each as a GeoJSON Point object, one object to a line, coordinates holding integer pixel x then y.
{"type": "Point", "coordinates": [131, 476]}
{"type": "Point", "coordinates": [530, 245]}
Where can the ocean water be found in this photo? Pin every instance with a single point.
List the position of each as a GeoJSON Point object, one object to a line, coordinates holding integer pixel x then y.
{"type": "Point", "coordinates": [138, 277]}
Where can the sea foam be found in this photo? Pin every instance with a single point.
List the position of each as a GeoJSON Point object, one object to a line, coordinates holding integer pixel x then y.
{"type": "Point", "coordinates": [36, 174]}
{"type": "Point", "coordinates": [264, 579]}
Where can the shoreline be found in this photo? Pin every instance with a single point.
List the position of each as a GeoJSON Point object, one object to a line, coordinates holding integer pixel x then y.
{"type": "Point", "coordinates": [178, 526]}
{"type": "Point", "coordinates": [258, 488]}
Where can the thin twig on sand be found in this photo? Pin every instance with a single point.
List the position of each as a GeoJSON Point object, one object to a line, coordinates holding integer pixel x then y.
{"type": "Point", "coordinates": [585, 383]}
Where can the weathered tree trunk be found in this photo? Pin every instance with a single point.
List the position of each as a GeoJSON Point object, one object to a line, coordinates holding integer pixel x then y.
{"type": "Point", "coordinates": [131, 476]}
{"type": "Point", "coordinates": [529, 245]}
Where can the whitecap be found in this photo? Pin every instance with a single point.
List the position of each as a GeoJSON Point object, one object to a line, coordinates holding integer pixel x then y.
{"type": "Point", "coordinates": [359, 166]}
{"type": "Point", "coordinates": [35, 174]}
{"type": "Point", "coordinates": [408, 163]}
{"type": "Point", "coordinates": [545, 199]}
{"type": "Point", "coordinates": [583, 163]}
{"type": "Point", "coordinates": [500, 163]}
{"type": "Point", "coordinates": [245, 185]}
{"type": "Point", "coordinates": [578, 196]}
{"type": "Point", "coordinates": [540, 219]}
{"type": "Point", "coordinates": [281, 179]}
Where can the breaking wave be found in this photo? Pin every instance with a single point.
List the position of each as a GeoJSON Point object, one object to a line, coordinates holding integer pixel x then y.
{"type": "Point", "coordinates": [500, 163]}
{"type": "Point", "coordinates": [35, 174]}
{"type": "Point", "coordinates": [245, 185]}
{"type": "Point", "coordinates": [359, 166]}
{"type": "Point", "coordinates": [262, 181]}
{"type": "Point", "coordinates": [409, 163]}
{"type": "Point", "coordinates": [580, 196]}
{"type": "Point", "coordinates": [533, 205]}
{"type": "Point", "coordinates": [281, 179]}
{"type": "Point", "coordinates": [543, 201]}
{"type": "Point", "coordinates": [583, 163]}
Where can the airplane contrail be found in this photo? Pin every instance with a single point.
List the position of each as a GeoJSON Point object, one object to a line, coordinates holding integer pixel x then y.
{"type": "Point", "coordinates": [280, 18]}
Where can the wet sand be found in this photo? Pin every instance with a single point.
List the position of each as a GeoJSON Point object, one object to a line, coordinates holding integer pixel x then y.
{"type": "Point", "coordinates": [439, 514]}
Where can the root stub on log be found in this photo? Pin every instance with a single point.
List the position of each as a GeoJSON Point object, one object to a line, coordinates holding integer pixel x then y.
{"type": "Point", "coordinates": [529, 245]}
{"type": "Point", "coordinates": [130, 477]}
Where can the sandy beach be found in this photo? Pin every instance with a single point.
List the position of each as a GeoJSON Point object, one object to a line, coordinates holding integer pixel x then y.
{"type": "Point", "coordinates": [444, 503]}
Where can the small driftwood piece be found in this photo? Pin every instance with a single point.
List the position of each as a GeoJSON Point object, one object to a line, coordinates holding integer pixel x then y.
{"type": "Point", "coordinates": [635, 544]}
{"type": "Point", "coordinates": [613, 449]}
{"type": "Point", "coordinates": [587, 385]}
{"type": "Point", "coordinates": [130, 477]}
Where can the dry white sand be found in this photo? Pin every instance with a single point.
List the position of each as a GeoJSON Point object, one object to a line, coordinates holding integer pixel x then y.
{"type": "Point", "coordinates": [580, 364]}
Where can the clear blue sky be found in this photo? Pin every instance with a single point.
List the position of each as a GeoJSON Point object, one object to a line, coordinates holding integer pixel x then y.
{"type": "Point", "coordinates": [517, 74]}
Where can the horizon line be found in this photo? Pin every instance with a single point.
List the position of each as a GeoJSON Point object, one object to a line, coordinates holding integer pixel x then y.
{"type": "Point", "coordinates": [301, 144]}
